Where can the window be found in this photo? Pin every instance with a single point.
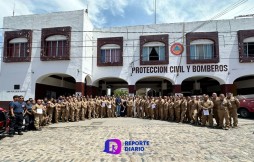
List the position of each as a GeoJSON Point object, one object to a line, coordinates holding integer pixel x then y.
{"type": "Point", "coordinates": [154, 50]}
{"type": "Point", "coordinates": [110, 53]}
{"type": "Point", "coordinates": [248, 45]}
{"type": "Point", "coordinates": [56, 46]}
{"type": "Point", "coordinates": [55, 43]}
{"type": "Point", "coordinates": [17, 46]}
{"type": "Point", "coordinates": [201, 49]}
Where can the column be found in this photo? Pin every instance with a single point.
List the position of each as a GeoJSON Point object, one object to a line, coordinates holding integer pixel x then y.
{"type": "Point", "coordinates": [132, 89]}
{"type": "Point", "coordinates": [177, 88]}
{"type": "Point", "coordinates": [80, 87]}
{"type": "Point", "coordinates": [226, 88]}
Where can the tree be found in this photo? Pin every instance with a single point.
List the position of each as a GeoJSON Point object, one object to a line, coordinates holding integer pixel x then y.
{"type": "Point", "coordinates": [121, 92]}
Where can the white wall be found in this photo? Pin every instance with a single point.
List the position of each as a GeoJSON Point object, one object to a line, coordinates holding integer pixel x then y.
{"type": "Point", "coordinates": [228, 50]}
{"type": "Point", "coordinates": [27, 73]}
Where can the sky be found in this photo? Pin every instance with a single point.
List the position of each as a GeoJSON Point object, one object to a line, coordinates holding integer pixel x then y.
{"type": "Point", "coordinates": [110, 13]}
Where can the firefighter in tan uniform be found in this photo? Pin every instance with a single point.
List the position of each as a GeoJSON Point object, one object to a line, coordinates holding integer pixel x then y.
{"type": "Point", "coordinates": [129, 107]}
{"type": "Point", "coordinates": [171, 109]}
{"type": "Point", "coordinates": [72, 109]}
{"type": "Point", "coordinates": [156, 109]}
{"type": "Point", "coordinates": [165, 109]}
{"type": "Point", "coordinates": [103, 107]}
{"type": "Point", "coordinates": [142, 108]}
{"type": "Point", "coordinates": [56, 116]}
{"type": "Point", "coordinates": [193, 106]}
{"type": "Point", "coordinates": [177, 109]}
{"type": "Point", "coordinates": [183, 109]}
{"type": "Point", "coordinates": [152, 108]}
{"type": "Point", "coordinates": [78, 109]}
{"type": "Point", "coordinates": [223, 106]}
{"type": "Point", "coordinates": [138, 103]}
{"type": "Point", "coordinates": [215, 100]}
{"type": "Point", "coordinates": [147, 108]}
{"type": "Point", "coordinates": [83, 108]}
{"type": "Point", "coordinates": [51, 111]}
{"type": "Point", "coordinates": [233, 110]}
{"type": "Point", "coordinates": [113, 107]}
{"type": "Point", "coordinates": [207, 111]}
{"type": "Point", "coordinates": [37, 110]}
{"type": "Point", "coordinates": [64, 106]}
{"type": "Point", "coordinates": [162, 108]}
{"type": "Point", "coordinates": [98, 106]}
{"type": "Point", "coordinates": [109, 107]}
{"type": "Point", "coordinates": [187, 116]}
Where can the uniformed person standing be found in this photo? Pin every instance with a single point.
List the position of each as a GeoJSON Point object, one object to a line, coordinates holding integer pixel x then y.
{"type": "Point", "coordinates": [38, 114]}
{"type": "Point", "coordinates": [207, 111]}
{"type": "Point", "coordinates": [193, 106]}
{"type": "Point", "coordinates": [28, 116]}
{"type": "Point", "coordinates": [109, 107]}
{"type": "Point", "coordinates": [223, 113]}
{"type": "Point", "coordinates": [171, 112]}
{"type": "Point", "coordinates": [165, 108]}
{"type": "Point", "coordinates": [129, 107]}
{"type": "Point", "coordinates": [183, 108]}
{"type": "Point", "coordinates": [215, 100]}
{"type": "Point", "coordinates": [156, 109]}
{"type": "Point", "coordinates": [79, 105]}
{"type": "Point", "coordinates": [138, 104]}
{"type": "Point", "coordinates": [177, 109]}
{"type": "Point", "coordinates": [83, 108]}
{"type": "Point", "coordinates": [51, 111]}
{"type": "Point", "coordinates": [233, 110]}
{"type": "Point", "coordinates": [162, 108]}
{"type": "Point", "coordinates": [72, 109]}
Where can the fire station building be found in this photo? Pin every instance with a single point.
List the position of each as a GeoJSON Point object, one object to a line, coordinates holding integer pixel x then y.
{"type": "Point", "coordinates": [62, 53]}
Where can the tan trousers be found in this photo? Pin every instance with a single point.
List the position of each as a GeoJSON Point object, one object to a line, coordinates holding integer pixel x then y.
{"type": "Point", "coordinates": [223, 114]}
{"type": "Point", "coordinates": [177, 112]}
{"type": "Point", "coordinates": [37, 121]}
{"type": "Point", "coordinates": [233, 115]}
{"type": "Point", "coordinates": [183, 113]}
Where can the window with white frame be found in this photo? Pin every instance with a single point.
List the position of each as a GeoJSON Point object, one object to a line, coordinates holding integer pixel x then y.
{"type": "Point", "coordinates": [201, 49]}
{"type": "Point", "coordinates": [110, 53]}
{"type": "Point", "coordinates": [17, 48]}
{"type": "Point", "coordinates": [56, 46]}
{"type": "Point", "coordinates": [248, 44]}
{"type": "Point", "coordinates": [153, 51]}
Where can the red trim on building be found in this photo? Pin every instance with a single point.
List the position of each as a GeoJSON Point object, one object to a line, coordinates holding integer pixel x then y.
{"type": "Point", "coordinates": [177, 88]}
{"type": "Point", "coordinates": [227, 88]}
{"type": "Point", "coordinates": [132, 89]}
{"type": "Point", "coordinates": [80, 87]}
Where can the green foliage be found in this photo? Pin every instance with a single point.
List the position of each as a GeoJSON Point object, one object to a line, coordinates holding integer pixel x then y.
{"type": "Point", "coordinates": [121, 92]}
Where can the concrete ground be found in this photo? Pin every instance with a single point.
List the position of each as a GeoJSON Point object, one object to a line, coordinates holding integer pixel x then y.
{"type": "Point", "coordinates": [84, 141]}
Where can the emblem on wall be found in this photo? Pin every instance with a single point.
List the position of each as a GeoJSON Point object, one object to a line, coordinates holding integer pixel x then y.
{"type": "Point", "coordinates": [177, 49]}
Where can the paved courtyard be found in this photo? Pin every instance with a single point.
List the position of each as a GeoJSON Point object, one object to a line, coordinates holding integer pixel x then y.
{"type": "Point", "coordinates": [84, 141]}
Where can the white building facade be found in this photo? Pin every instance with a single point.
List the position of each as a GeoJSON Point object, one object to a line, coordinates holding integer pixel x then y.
{"type": "Point", "coordinates": [61, 53]}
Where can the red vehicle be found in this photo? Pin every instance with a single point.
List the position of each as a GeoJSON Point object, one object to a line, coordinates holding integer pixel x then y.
{"type": "Point", "coordinates": [4, 122]}
{"type": "Point", "coordinates": [246, 105]}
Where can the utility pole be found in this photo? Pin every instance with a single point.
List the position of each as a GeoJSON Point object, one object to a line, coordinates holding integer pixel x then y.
{"type": "Point", "coordinates": [13, 12]}
{"type": "Point", "coordinates": [155, 11]}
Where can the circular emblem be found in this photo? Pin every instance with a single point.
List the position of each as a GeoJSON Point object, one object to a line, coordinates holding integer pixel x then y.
{"type": "Point", "coordinates": [177, 49]}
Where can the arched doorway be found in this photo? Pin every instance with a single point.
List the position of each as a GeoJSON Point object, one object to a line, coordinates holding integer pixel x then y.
{"type": "Point", "coordinates": [108, 85]}
{"type": "Point", "coordinates": [244, 85]}
{"type": "Point", "coordinates": [154, 86]}
{"type": "Point", "coordinates": [55, 85]}
{"type": "Point", "coordinates": [200, 85]}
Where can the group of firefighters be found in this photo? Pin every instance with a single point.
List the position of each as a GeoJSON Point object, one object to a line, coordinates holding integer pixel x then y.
{"type": "Point", "coordinates": [197, 110]}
